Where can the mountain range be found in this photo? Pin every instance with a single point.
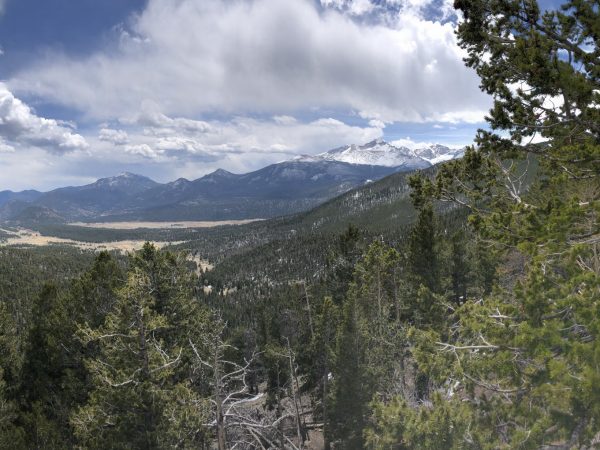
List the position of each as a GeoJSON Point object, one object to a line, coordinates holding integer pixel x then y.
{"type": "Point", "coordinates": [283, 188]}
{"type": "Point", "coordinates": [381, 153]}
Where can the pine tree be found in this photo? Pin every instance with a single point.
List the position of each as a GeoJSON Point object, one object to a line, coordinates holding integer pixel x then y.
{"type": "Point", "coordinates": [351, 390]}
{"type": "Point", "coordinates": [143, 392]}
{"type": "Point", "coordinates": [459, 268]}
{"type": "Point", "coordinates": [11, 435]}
{"type": "Point", "coordinates": [423, 256]}
{"type": "Point", "coordinates": [53, 378]}
{"type": "Point", "coordinates": [369, 344]}
{"type": "Point", "coordinates": [323, 357]}
{"type": "Point", "coordinates": [43, 390]}
{"type": "Point", "coordinates": [523, 357]}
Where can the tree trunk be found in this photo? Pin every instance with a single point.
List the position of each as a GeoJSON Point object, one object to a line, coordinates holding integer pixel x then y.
{"type": "Point", "coordinates": [148, 416]}
{"type": "Point", "coordinates": [310, 322]}
{"type": "Point", "coordinates": [221, 437]}
{"type": "Point", "coordinates": [294, 383]}
{"type": "Point", "coordinates": [326, 443]}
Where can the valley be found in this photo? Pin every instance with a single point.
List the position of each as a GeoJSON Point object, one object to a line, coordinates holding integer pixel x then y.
{"type": "Point", "coordinates": [161, 225]}
{"type": "Point", "coordinates": [380, 207]}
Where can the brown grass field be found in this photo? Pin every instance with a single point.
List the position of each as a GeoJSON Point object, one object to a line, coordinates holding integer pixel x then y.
{"type": "Point", "coordinates": [28, 237]}
{"type": "Point", "coordinates": [157, 225]}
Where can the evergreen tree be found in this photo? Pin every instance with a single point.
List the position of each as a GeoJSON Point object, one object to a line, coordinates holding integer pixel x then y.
{"type": "Point", "coordinates": [53, 378]}
{"type": "Point", "coordinates": [542, 69]}
{"type": "Point", "coordinates": [44, 388]}
{"type": "Point", "coordinates": [11, 435]}
{"type": "Point", "coordinates": [93, 295]}
{"type": "Point", "coordinates": [423, 257]}
{"type": "Point", "coordinates": [459, 268]}
{"type": "Point", "coordinates": [351, 390]}
{"type": "Point", "coordinates": [524, 357]}
{"type": "Point", "coordinates": [369, 344]}
{"type": "Point", "coordinates": [323, 356]}
{"type": "Point", "coordinates": [341, 262]}
{"type": "Point", "coordinates": [143, 393]}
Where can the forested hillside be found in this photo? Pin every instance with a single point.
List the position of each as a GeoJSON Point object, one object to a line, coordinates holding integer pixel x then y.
{"type": "Point", "coordinates": [455, 308]}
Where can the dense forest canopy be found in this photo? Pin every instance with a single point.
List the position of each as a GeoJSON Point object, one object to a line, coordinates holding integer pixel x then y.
{"type": "Point", "coordinates": [470, 326]}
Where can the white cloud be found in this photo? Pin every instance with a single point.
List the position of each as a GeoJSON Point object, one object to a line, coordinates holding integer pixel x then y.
{"type": "Point", "coordinates": [151, 117]}
{"type": "Point", "coordinates": [116, 137]}
{"type": "Point", "coordinates": [5, 148]}
{"type": "Point", "coordinates": [354, 7]}
{"type": "Point", "coordinates": [34, 168]}
{"type": "Point", "coordinates": [377, 123]}
{"type": "Point", "coordinates": [241, 145]}
{"type": "Point", "coordinates": [414, 145]}
{"type": "Point", "coordinates": [2, 6]}
{"type": "Point", "coordinates": [142, 150]}
{"type": "Point", "coordinates": [250, 140]}
{"type": "Point", "coordinates": [285, 120]}
{"type": "Point", "coordinates": [284, 57]}
{"type": "Point", "coordinates": [190, 86]}
{"type": "Point", "coordinates": [21, 127]}
{"type": "Point", "coordinates": [387, 11]}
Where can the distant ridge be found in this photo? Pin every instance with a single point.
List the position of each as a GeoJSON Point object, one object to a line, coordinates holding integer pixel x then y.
{"type": "Point", "coordinates": [279, 189]}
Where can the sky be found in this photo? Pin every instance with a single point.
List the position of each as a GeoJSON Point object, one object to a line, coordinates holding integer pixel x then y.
{"type": "Point", "coordinates": [179, 88]}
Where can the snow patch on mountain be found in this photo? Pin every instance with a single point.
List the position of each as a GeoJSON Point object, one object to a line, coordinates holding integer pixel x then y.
{"type": "Point", "coordinates": [125, 180]}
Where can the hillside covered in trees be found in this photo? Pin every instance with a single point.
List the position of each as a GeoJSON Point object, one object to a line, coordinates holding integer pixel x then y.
{"type": "Point", "coordinates": [458, 308]}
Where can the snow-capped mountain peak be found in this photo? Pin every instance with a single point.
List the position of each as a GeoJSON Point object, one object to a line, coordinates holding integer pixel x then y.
{"type": "Point", "coordinates": [381, 153]}
{"type": "Point", "coordinates": [125, 180]}
{"type": "Point", "coordinates": [374, 153]}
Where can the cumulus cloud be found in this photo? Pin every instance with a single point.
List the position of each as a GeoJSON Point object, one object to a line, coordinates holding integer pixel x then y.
{"type": "Point", "coordinates": [142, 150]}
{"type": "Point", "coordinates": [151, 118]}
{"type": "Point", "coordinates": [116, 137]}
{"type": "Point", "coordinates": [284, 57]}
{"type": "Point", "coordinates": [377, 123]}
{"type": "Point", "coordinates": [21, 127]}
{"type": "Point", "coordinates": [285, 120]}
{"type": "Point", "coordinates": [279, 137]}
{"type": "Point", "coordinates": [239, 144]}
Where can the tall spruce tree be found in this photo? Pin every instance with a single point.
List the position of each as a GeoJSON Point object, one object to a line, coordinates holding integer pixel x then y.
{"type": "Point", "coordinates": [423, 257]}
{"type": "Point", "coordinates": [351, 390]}
{"type": "Point", "coordinates": [369, 344]}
